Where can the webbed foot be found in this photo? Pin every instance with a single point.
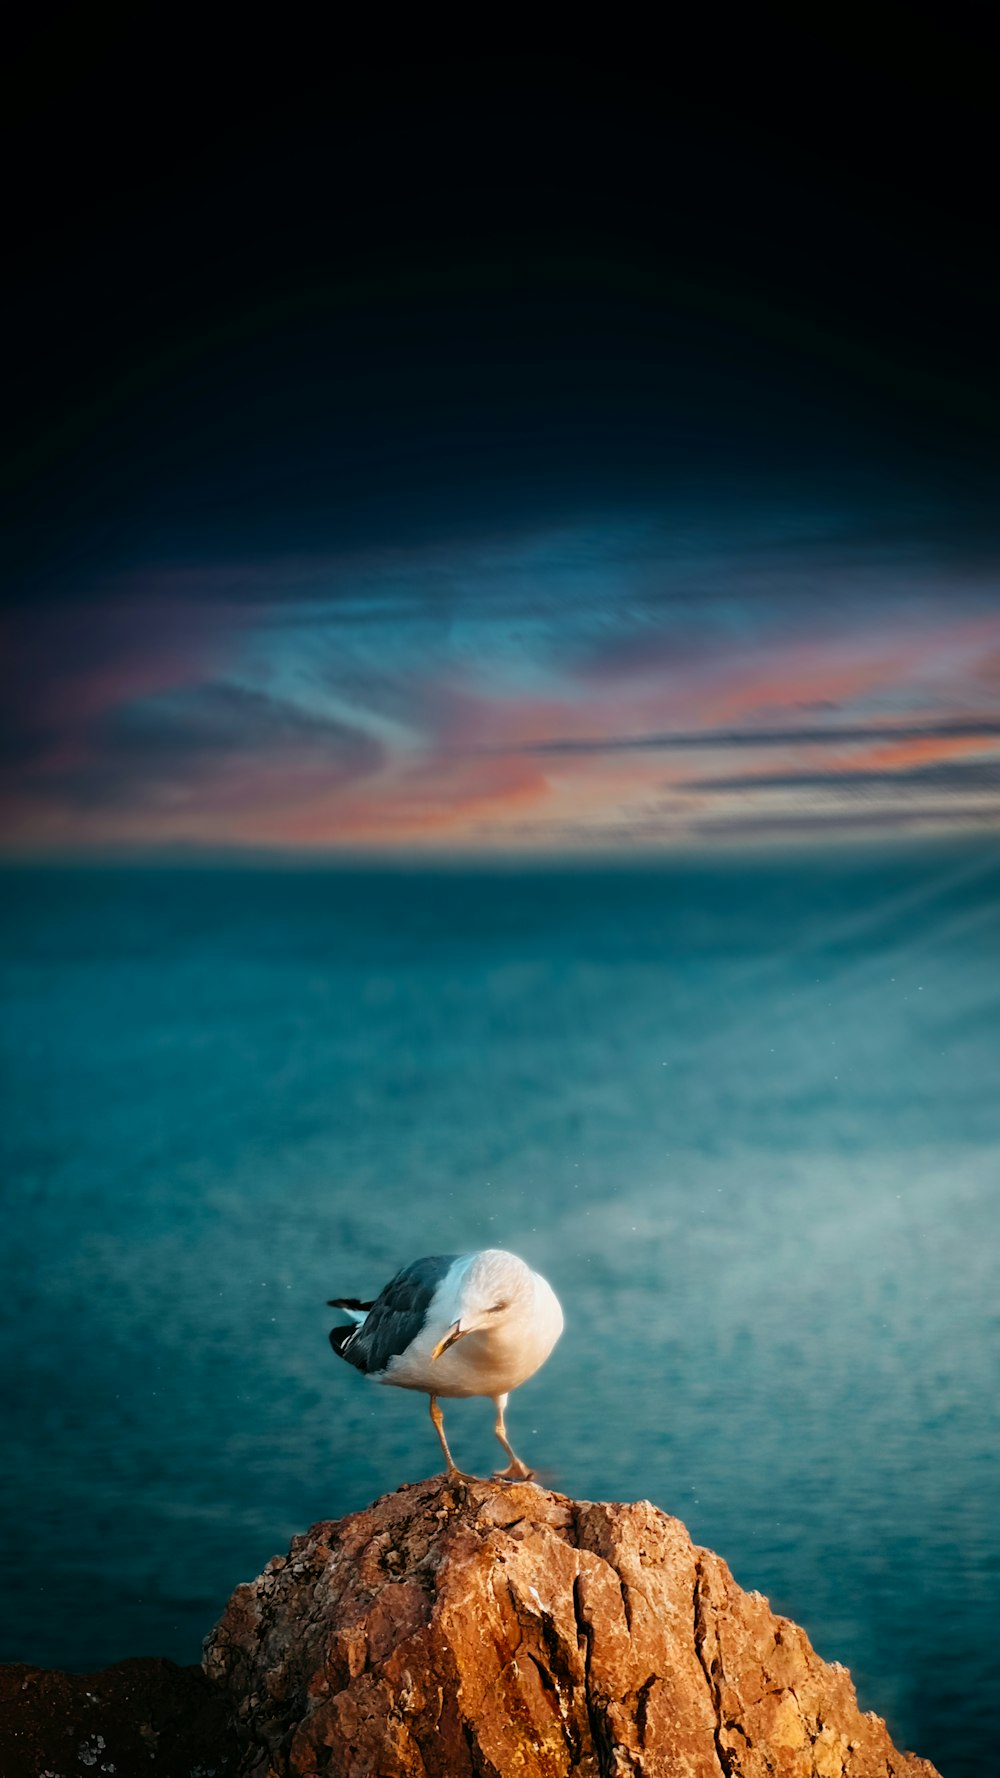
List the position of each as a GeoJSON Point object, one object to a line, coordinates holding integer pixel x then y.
{"type": "Point", "coordinates": [514, 1472]}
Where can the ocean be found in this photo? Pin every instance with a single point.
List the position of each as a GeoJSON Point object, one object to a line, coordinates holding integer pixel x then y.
{"type": "Point", "coordinates": [744, 1115]}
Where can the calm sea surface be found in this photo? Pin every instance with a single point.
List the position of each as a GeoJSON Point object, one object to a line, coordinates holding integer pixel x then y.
{"type": "Point", "coordinates": [745, 1118]}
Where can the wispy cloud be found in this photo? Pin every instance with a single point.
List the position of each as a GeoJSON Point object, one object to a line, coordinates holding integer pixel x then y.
{"type": "Point", "coordinates": [632, 680]}
{"type": "Point", "coordinates": [952, 775]}
{"type": "Point", "coordinates": [793, 824]}
{"type": "Point", "coordinates": [188, 761]}
{"type": "Point", "coordinates": [833, 734]}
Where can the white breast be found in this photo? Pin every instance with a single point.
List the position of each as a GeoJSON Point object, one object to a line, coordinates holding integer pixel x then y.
{"type": "Point", "coordinates": [490, 1361]}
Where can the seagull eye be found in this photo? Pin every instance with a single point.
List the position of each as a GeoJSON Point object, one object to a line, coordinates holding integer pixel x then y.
{"type": "Point", "coordinates": [497, 1308]}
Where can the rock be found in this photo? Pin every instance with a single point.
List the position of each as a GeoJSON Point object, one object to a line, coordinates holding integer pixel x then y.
{"type": "Point", "coordinates": [501, 1630]}
{"type": "Point", "coordinates": [138, 1716]}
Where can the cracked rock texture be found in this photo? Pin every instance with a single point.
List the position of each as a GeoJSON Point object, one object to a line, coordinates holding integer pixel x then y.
{"type": "Point", "coordinates": [477, 1628]}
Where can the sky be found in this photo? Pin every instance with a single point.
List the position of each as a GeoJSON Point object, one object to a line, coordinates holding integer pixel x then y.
{"type": "Point", "coordinates": [539, 454]}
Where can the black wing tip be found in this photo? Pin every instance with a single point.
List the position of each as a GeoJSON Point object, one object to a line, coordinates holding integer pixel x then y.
{"type": "Point", "coordinates": [348, 1302]}
{"type": "Point", "coordinates": [340, 1337]}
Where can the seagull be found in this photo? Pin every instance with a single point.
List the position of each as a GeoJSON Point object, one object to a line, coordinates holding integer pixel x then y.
{"type": "Point", "coordinates": [455, 1324]}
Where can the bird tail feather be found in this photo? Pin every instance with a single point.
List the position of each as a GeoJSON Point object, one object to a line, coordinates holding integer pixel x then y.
{"type": "Point", "coordinates": [351, 1306]}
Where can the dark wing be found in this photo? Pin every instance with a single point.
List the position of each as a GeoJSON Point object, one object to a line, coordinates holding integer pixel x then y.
{"type": "Point", "coordinates": [396, 1316]}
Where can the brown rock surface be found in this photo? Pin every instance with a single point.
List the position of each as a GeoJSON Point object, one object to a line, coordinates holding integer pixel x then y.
{"type": "Point", "coordinates": [506, 1632]}
{"type": "Point", "coordinates": [138, 1716]}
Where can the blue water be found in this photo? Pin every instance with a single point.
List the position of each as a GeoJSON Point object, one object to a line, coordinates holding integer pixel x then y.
{"type": "Point", "coordinates": [745, 1117]}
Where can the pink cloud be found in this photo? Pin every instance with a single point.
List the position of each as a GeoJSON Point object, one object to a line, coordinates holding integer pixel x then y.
{"type": "Point", "coordinates": [129, 732]}
{"type": "Point", "coordinates": [66, 665]}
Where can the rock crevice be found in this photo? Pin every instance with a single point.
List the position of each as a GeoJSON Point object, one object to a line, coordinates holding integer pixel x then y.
{"type": "Point", "coordinates": [709, 1666]}
{"type": "Point", "coordinates": [484, 1630]}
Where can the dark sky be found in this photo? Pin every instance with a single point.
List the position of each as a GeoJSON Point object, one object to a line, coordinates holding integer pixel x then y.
{"type": "Point", "coordinates": [378, 420]}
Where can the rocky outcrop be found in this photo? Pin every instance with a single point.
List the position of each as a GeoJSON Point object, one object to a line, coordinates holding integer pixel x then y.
{"type": "Point", "coordinates": [140, 1716]}
{"type": "Point", "coordinates": [506, 1632]}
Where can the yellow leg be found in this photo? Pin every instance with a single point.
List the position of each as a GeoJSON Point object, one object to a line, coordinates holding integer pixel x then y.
{"type": "Point", "coordinates": [516, 1471]}
{"type": "Point", "coordinates": [438, 1419]}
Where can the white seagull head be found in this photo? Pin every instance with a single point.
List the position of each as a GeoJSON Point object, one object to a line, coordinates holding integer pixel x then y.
{"type": "Point", "coordinates": [489, 1294]}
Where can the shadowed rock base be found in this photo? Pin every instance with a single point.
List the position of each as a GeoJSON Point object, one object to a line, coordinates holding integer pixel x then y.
{"type": "Point", "coordinates": [501, 1631]}
{"type": "Point", "coordinates": [139, 1716]}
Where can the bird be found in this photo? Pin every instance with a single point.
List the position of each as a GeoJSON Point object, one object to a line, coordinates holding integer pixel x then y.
{"type": "Point", "coordinates": [455, 1324]}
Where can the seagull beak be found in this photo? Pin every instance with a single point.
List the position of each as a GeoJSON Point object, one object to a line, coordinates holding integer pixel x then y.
{"type": "Point", "coordinates": [455, 1332]}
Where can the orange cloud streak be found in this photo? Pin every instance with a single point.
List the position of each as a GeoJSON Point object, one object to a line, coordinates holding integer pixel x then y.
{"type": "Point", "coordinates": [922, 750]}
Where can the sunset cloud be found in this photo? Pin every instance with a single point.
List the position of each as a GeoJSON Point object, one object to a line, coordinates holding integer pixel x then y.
{"type": "Point", "coordinates": [920, 737]}
{"type": "Point", "coordinates": [594, 685]}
